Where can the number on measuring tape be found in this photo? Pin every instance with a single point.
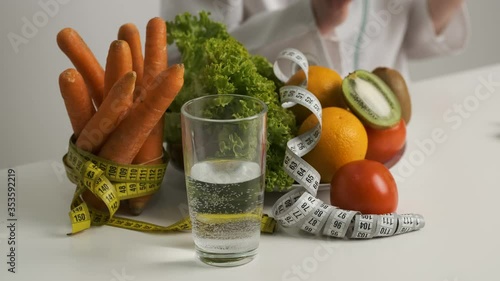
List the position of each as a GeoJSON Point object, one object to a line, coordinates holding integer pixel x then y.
{"type": "Point", "coordinates": [386, 225]}
{"type": "Point", "coordinates": [364, 226]}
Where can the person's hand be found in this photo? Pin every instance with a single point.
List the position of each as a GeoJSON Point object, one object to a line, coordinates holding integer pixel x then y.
{"type": "Point", "coordinates": [442, 11]}
{"type": "Point", "coordinates": [330, 13]}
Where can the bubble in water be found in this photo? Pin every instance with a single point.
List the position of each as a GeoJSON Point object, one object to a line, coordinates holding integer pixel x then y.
{"type": "Point", "coordinates": [225, 199]}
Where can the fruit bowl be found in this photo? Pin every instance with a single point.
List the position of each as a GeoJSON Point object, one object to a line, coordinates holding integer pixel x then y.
{"type": "Point", "coordinates": [389, 164]}
{"type": "Point", "coordinates": [176, 160]}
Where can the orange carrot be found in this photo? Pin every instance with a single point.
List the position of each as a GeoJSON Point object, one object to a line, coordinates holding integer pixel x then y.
{"type": "Point", "coordinates": [118, 63]}
{"type": "Point", "coordinates": [155, 54]}
{"type": "Point", "coordinates": [124, 143]}
{"type": "Point", "coordinates": [129, 33]}
{"type": "Point", "coordinates": [76, 99]}
{"type": "Point", "coordinates": [83, 59]}
{"type": "Point", "coordinates": [112, 111]}
{"type": "Point", "coordinates": [155, 61]}
{"type": "Point", "coordinates": [150, 153]}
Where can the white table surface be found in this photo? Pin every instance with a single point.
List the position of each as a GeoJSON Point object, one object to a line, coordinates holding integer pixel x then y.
{"type": "Point", "coordinates": [452, 180]}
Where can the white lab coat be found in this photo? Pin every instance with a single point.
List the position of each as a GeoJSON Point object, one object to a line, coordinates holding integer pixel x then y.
{"type": "Point", "coordinates": [376, 32]}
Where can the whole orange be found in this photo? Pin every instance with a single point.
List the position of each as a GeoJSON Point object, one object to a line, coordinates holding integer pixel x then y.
{"type": "Point", "coordinates": [324, 83]}
{"type": "Point", "coordinates": [343, 139]}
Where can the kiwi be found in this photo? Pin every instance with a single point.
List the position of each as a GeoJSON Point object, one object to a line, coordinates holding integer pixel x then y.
{"type": "Point", "coordinates": [397, 83]}
{"type": "Point", "coordinates": [371, 100]}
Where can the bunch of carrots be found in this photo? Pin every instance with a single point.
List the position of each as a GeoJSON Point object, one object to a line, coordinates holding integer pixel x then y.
{"type": "Point", "coordinates": [117, 113]}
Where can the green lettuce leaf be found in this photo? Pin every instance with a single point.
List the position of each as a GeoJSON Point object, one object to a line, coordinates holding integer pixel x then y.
{"type": "Point", "coordinates": [217, 64]}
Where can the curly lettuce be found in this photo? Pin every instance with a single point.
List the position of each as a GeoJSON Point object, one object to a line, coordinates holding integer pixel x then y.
{"type": "Point", "coordinates": [216, 63]}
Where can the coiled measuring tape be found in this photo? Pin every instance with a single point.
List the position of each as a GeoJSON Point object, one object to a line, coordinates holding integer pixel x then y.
{"type": "Point", "coordinates": [300, 208]}
{"type": "Point", "coordinates": [111, 183]}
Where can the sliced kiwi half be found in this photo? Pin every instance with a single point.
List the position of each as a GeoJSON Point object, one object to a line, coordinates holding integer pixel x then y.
{"type": "Point", "coordinates": [397, 83]}
{"type": "Point", "coordinates": [371, 100]}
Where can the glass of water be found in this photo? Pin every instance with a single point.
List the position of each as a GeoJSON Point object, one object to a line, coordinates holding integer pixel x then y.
{"type": "Point", "coordinates": [224, 149]}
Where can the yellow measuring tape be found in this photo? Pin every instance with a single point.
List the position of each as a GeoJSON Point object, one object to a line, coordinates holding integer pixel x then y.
{"type": "Point", "coordinates": [111, 183]}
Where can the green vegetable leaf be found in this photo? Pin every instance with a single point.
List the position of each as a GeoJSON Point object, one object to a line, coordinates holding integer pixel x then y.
{"type": "Point", "coordinates": [217, 64]}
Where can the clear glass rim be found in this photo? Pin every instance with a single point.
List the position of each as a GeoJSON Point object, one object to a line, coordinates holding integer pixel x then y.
{"type": "Point", "coordinates": [186, 114]}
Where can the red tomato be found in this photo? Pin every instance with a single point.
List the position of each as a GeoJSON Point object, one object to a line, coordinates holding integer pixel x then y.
{"type": "Point", "coordinates": [384, 144]}
{"type": "Point", "coordinates": [366, 186]}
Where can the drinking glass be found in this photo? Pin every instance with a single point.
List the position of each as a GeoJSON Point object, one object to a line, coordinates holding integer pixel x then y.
{"type": "Point", "coordinates": [224, 150]}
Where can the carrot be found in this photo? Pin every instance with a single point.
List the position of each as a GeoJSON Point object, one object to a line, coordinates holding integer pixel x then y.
{"type": "Point", "coordinates": [118, 63]}
{"type": "Point", "coordinates": [129, 33]}
{"type": "Point", "coordinates": [112, 111]}
{"type": "Point", "coordinates": [76, 99]}
{"type": "Point", "coordinates": [150, 153]}
{"type": "Point", "coordinates": [83, 59]}
{"type": "Point", "coordinates": [124, 143]}
{"type": "Point", "coordinates": [155, 61]}
{"type": "Point", "coordinates": [155, 52]}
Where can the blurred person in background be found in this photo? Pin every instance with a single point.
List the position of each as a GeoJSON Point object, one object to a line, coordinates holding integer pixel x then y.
{"type": "Point", "coordinates": [344, 35]}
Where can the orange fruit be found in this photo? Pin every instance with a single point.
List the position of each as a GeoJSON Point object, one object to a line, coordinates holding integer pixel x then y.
{"type": "Point", "coordinates": [324, 83]}
{"type": "Point", "coordinates": [343, 139]}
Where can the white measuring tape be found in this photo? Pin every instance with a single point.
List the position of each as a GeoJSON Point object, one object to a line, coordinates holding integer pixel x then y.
{"type": "Point", "coordinates": [300, 207]}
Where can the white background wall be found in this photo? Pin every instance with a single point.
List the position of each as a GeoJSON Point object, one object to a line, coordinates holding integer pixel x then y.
{"type": "Point", "coordinates": [33, 121]}
{"type": "Point", "coordinates": [483, 48]}
{"type": "Point", "coordinates": [28, 132]}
